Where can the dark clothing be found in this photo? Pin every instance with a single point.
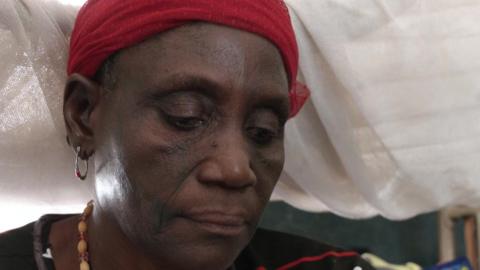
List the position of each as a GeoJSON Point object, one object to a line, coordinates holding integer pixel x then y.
{"type": "Point", "coordinates": [25, 248]}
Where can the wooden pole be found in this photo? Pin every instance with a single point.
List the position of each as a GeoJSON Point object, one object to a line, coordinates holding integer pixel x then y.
{"type": "Point", "coordinates": [470, 235]}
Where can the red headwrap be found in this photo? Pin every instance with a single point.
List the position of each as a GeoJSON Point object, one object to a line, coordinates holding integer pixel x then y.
{"type": "Point", "coordinates": [106, 26]}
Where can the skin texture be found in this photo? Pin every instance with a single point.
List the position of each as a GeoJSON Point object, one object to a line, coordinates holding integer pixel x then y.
{"type": "Point", "coordinates": [188, 144]}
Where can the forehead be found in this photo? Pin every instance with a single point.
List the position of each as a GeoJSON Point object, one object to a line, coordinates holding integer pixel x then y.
{"type": "Point", "coordinates": [219, 53]}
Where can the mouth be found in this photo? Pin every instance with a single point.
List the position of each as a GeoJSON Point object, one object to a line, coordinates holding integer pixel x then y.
{"type": "Point", "coordinates": [219, 223]}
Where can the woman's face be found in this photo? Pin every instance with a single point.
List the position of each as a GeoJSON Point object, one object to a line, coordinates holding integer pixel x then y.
{"type": "Point", "coordinates": [189, 142]}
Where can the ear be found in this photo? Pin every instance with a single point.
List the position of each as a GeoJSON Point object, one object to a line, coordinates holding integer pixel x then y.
{"type": "Point", "coordinates": [81, 98]}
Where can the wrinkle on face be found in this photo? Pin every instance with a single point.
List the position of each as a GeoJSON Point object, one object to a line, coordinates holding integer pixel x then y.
{"type": "Point", "coordinates": [149, 172]}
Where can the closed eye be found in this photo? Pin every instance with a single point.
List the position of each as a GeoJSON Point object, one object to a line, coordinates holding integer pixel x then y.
{"type": "Point", "coordinates": [185, 123]}
{"type": "Point", "coordinates": [261, 136]}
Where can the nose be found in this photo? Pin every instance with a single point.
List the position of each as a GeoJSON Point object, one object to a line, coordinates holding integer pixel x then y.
{"type": "Point", "coordinates": [228, 163]}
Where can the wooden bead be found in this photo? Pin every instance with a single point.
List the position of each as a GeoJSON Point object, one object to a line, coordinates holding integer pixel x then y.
{"type": "Point", "coordinates": [84, 265]}
{"type": "Point", "coordinates": [82, 246]}
{"type": "Point", "coordinates": [82, 231]}
{"type": "Point", "coordinates": [88, 210]}
{"type": "Point", "coordinates": [82, 226]}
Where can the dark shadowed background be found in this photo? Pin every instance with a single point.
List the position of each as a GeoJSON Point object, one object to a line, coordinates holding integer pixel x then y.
{"type": "Point", "coordinates": [413, 240]}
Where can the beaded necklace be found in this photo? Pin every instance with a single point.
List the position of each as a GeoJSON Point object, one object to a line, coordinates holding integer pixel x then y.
{"type": "Point", "coordinates": [82, 246]}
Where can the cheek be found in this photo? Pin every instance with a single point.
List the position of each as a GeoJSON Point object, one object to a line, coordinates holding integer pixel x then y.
{"type": "Point", "coordinates": [113, 190]}
{"type": "Point", "coordinates": [138, 165]}
{"type": "Point", "coordinates": [156, 162]}
{"type": "Point", "coordinates": [268, 165]}
{"type": "Point", "coordinates": [153, 156]}
{"type": "Point", "coordinates": [268, 162]}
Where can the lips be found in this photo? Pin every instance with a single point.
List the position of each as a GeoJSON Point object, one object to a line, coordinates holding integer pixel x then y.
{"type": "Point", "coordinates": [226, 223]}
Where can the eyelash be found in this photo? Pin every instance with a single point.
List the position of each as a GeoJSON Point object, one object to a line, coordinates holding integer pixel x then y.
{"type": "Point", "coordinates": [185, 123]}
{"type": "Point", "coordinates": [262, 136]}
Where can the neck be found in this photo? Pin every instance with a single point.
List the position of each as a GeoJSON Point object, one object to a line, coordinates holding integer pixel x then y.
{"type": "Point", "coordinates": [109, 248]}
{"type": "Point", "coordinates": [63, 240]}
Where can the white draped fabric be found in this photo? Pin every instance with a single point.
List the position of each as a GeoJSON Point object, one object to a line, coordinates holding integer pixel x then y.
{"type": "Point", "coordinates": [394, 121]}
{"type": "Point", "coordinates": [392, 127]}
{"type": "Point", "coordinates": [36, 173]}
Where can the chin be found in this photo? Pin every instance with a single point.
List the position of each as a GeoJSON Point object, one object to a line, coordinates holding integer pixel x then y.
{"type": "Point", "coordinates": [193, 249]}
{"type": "Point", "coordinates": [193, 258]}
{"type": "Point", "coordinates": [220, 262]}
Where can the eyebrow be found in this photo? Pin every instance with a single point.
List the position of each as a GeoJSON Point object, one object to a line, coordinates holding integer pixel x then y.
{"type": "Point", "coordinates": [187, 83]}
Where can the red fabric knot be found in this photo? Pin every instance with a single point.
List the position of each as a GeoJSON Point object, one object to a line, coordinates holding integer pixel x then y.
{"type": "Point", "coordinates": [299, 94]}
{"type": "Point", "coordinates": [103, 27]}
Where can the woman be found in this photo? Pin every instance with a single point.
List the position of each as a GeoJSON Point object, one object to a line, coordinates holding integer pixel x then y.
{"type": "Point", "coordinates": [182, 105]}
